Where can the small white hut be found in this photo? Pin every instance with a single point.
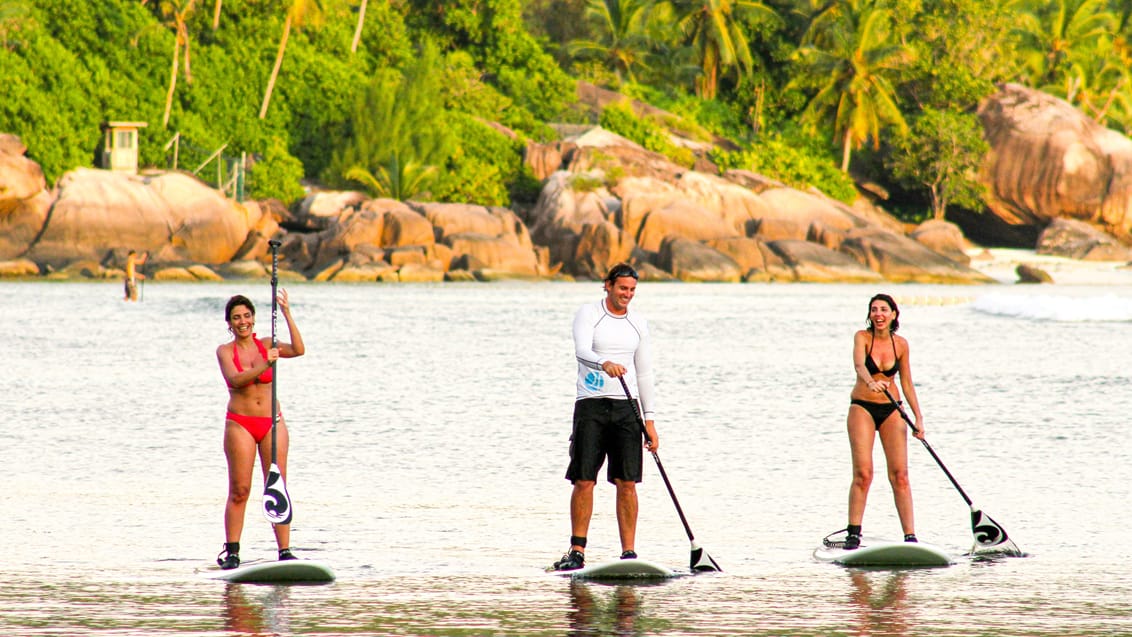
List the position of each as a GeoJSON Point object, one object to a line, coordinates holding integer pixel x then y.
{"type": "Point", "coordinates": [120, 149]}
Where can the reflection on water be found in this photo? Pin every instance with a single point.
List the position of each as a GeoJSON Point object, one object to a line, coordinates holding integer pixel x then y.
{"type": "Point", "coordinates": [879, 602]}
{"type": "Point", "coordinates": [594, 612]}
{"type": "Point", "coordinates": [255, 610]}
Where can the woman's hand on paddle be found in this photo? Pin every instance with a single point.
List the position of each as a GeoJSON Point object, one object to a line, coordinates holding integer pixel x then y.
{"type": "Point", "coordinates": [878, 385]}
{"type": "Point", "coordinates": [284, 302]}
{"type": "Point", "coordinates": [652, 440]}
{"type": "Point", "coordinates": [919, 433]}
{"type": "Point", "coordinates": [613, 369]}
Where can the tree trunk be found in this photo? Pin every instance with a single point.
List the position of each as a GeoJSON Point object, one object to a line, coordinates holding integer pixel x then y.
{"type": "Point", "coordinates": [846, 148]}
{"type": "Point", "coordinates": [275, 70]}
{"type": "Point", "coordinates": [216, 15]}
{"type": "Point", "coordinates": [172, 83]}
{"type": "Point", "coordinates": [358, 30]}
{"type": "Point", "coordinates": [939, 205]}
{"type": "Point", "coordinates": [188, 68]}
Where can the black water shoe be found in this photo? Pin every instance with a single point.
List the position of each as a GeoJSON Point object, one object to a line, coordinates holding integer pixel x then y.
{"type": "Point", "coordinates": [910, 537]}
{"type": "Point", "coordinates": [231, 556]}
{"type": "Point", "coordinates": [629, 555]}
{"type": "Point", "coordinates": [852, 541]}
{"type": "Point", "coordinates": [285, 554]}
{"type": "Point", "coordinates": [571, 561]}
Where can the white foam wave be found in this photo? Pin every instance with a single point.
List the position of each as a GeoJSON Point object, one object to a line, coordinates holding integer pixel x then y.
{"type": "Point", "coordinates": [1068, 309]}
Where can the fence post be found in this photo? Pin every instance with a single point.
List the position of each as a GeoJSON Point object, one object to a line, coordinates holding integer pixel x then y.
{"type": "Point", "coordinates": [240, 176]}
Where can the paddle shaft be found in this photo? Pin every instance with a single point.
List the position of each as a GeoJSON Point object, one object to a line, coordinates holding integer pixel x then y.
{"type": "Point", "coordinates": [663, 474]}
{"type": "Point", "coordinates": [908, 420]}
{"type": "Point", "coordinates": [274, 315]}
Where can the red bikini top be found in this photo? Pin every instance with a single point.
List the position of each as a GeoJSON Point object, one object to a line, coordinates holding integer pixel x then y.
{"type": "Point", "coordinates": [267, 375]}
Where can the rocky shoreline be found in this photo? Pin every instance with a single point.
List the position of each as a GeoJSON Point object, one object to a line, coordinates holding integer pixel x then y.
{"type": "Point", "coordinates": [604, 199]}
{"type": "Point", "coordinates": [1000, 265]}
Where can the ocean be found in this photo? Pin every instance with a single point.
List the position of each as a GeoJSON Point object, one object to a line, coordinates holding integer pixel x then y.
{"type": "Point", "coordinates": [429, 437]}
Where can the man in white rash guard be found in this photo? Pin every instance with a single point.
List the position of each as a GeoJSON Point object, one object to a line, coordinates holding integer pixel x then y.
{"type": "Point", "coordinates": [610, 342]}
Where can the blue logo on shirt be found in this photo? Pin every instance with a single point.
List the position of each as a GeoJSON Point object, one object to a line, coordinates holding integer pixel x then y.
{"type": "Point", "coordinates": [595, 380]}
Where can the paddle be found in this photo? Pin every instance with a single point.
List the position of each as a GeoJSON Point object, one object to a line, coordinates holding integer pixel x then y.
{"type": "Point", "coordinates": [700, 561]}
{"type": "Point", "coordinates": [276, 501]}
{"type": "Point", "coordinates": [989, 535]}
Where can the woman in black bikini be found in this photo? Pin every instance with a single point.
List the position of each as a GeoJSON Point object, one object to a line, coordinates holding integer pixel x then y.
{"type": "Point", "coordinates": [878, 356]}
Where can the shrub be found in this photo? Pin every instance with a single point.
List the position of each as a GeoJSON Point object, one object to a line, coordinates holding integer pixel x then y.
{"type": "Point", "coordinates": [794, 164]}
{"type": "Point", "coordinates": [620, 119]}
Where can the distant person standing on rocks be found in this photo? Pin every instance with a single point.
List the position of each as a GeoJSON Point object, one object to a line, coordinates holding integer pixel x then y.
{"type": "Point", "coordinates": [133, 261]}
{"type": "Point", "coordinates": [878, 356]}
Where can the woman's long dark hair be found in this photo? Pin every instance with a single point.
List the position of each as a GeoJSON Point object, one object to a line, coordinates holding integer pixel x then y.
{"type": "Point", "coordinates": [868, 321]}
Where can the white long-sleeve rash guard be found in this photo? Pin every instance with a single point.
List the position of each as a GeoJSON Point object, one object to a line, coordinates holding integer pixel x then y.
{"type": "Point", "coordinates": [599, 337]}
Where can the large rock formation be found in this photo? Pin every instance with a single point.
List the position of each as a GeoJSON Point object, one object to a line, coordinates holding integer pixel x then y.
{"type": "Point", "coordinates": [24, 199]}
{"type": "Point", "coordinates": [608, 200]}
{"type": "Point", "coordinates": [173, 216]}
{"type": "Point", "coordinates": [651, 209]}
{"type": "Point", "coordinates": [1078, 240]}
{"type": "Point", "coordinates": [1048, 160]}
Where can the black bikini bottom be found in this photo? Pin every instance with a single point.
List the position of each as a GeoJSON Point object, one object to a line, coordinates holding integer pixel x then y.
{"type": "Point", "coordinates": [879, 411]}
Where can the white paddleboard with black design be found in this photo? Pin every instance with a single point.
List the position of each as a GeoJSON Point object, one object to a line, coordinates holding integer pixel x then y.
{"type": "Point", "coordinates": [620, 570]}
{"type": "Point", "coordinates": [886, 554]}
{"type": "Point", "coordinates": [277, 572]}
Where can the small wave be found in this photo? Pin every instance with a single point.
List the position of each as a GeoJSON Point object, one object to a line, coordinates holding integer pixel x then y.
{"type": "Point", "coordinates": [1059, 309]}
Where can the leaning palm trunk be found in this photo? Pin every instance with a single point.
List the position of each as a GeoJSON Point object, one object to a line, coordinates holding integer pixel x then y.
{"type": "Point", "coordinates": [358, 30]}
{"type": "Point", "coordinates": [275, 69]}
{"type": "Point", "coordinates": [172, 82]}
{"type": "Point", "coordinates": [846, 148]}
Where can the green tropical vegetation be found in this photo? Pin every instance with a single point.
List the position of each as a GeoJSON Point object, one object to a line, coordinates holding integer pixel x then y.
{"type": "Point", "coordinates": [439, 100]}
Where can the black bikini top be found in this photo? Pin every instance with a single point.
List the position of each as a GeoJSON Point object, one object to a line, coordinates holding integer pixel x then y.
{"type": "Point", "coordinates": [872, 366]}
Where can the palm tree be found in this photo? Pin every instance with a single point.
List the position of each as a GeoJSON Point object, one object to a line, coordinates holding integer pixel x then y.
{"type": "Point", "coordinates": [714, 29]}
{"type": "Point", "coordinates": [175, 15]}
{"type": "Point", "coordinates": [358, 30]}
{"type": "Point", "coordinates": [854, 60]}
{"type": "Point", "coordinates": [1057, 35]}
{"type": "Point", "coordinates": [298, 13]}
{"type": "Point", "coordinates": [1099, 83]}
{"type": "Point", "coordinates": [399, 140]}
{"type": "Point", "coordinates": [623, 43]}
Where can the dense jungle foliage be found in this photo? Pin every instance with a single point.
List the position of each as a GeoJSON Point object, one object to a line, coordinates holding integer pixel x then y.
{"type": "Point", "coordinates": [405, 98]}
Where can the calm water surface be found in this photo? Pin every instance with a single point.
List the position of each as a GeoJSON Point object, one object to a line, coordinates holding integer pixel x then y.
{"type": "Point", "coordinates": [429, 433]}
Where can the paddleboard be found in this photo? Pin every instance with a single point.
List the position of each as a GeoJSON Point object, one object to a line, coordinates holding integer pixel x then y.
{"type": "Point", "coordinates": [620, 570]}
{"type": "Point", "coordinates": [278, 572]}
{"type": "Point", "coordinates": [881, 553]}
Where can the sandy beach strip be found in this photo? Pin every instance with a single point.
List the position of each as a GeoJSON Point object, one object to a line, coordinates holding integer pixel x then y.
{"type": "Point", "coordinates": [1001, 264]}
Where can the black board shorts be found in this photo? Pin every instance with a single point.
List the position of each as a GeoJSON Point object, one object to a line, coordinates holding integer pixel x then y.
{"type": "Point", "coordinates": [605, 427]}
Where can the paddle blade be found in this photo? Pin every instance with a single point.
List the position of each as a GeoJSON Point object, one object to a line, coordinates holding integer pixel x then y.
{"type": "Point", "coordinates": [990, 537]}
{"type": "Point", "coordinates": [276, 501]}
{"type": "Point", "coordinates": [701, 562]}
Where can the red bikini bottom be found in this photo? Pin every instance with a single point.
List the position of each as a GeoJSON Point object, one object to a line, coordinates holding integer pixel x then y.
{"type": "Point", "coordinates": [257, 426]}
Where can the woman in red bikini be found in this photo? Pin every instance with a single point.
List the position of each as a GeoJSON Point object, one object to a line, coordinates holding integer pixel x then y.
{"type": "Point", "coordinates": [878, 356]}
{"type": "Point", "coordinates": [247, 364]}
